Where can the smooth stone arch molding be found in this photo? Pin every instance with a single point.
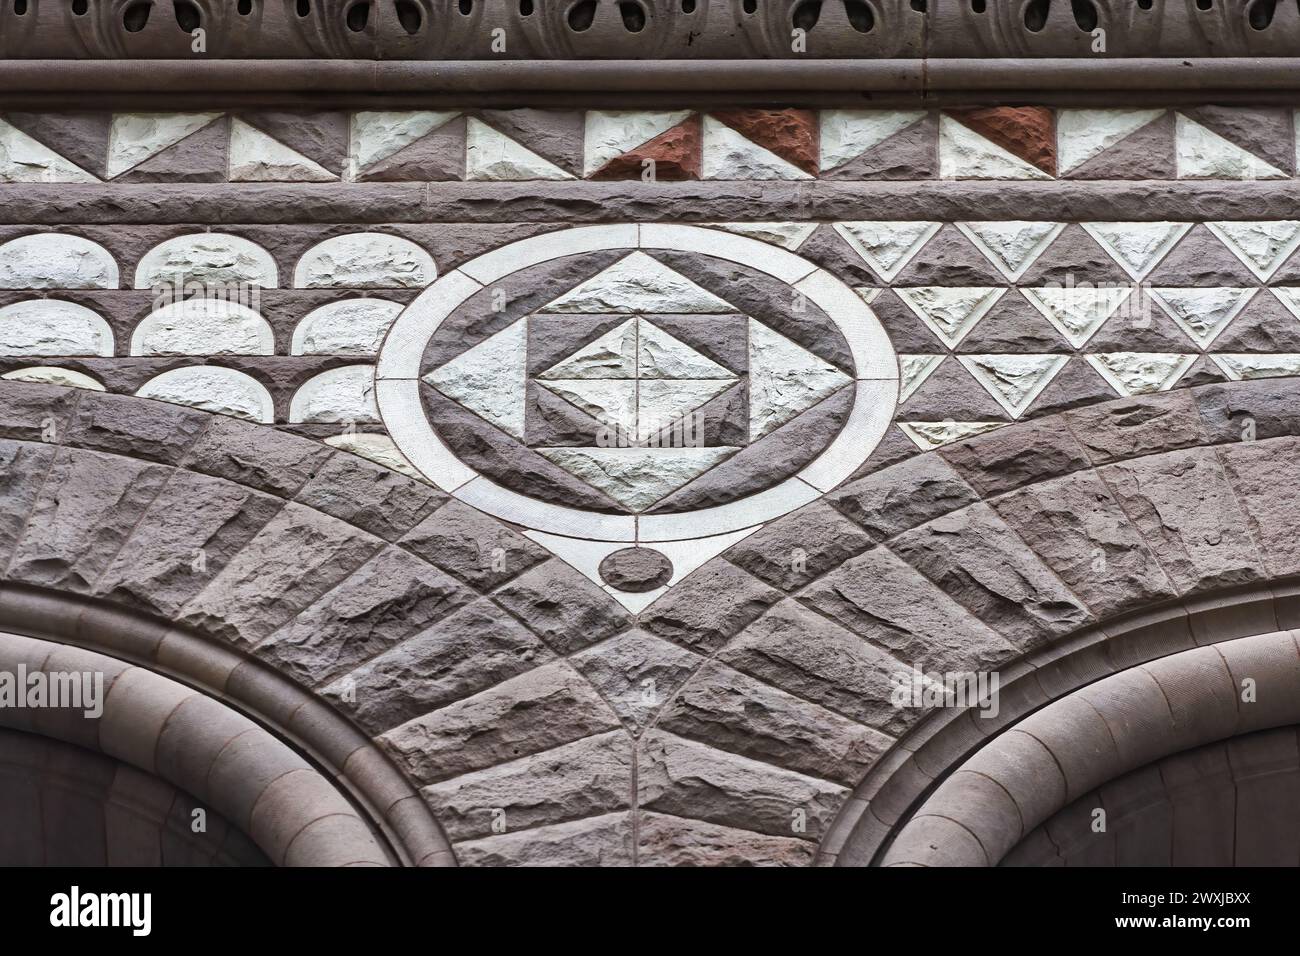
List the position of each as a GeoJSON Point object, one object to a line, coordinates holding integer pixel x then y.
{"type": "Point", "coordinates": [876, 377]}
{"type": "Point", "coordinates": [272, 758]}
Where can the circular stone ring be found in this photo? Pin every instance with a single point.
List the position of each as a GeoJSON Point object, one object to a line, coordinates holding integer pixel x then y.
{"type": "Point", "coordinates": [876, 378]}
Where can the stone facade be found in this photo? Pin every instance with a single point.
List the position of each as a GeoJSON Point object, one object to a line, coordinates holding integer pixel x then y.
{"type": "Point", "coordinates": [609, 480]}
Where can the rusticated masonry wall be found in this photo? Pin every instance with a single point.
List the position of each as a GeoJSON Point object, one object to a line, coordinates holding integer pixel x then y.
{"type": "Point", "coordinates": [606, 467]}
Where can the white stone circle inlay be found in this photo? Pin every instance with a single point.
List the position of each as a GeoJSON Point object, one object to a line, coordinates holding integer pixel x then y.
{"type": "Point", "coordinates": [876, 378]}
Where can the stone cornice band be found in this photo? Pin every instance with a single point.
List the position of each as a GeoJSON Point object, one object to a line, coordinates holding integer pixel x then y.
{"type": "Point", "coordinates": [590, 78]}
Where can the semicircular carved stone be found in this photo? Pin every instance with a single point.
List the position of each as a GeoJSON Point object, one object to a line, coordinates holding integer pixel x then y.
{"type": "Point", "coordinates": [833, 28]}
{"type": "Point", "coordinates": [1059, 28]}
{"type": "Point", "coordinates": [389, 29]}
{"type": "Point", "coordinates": [612, 29]}
{"type": "Point", "coordinates": [140, 28]}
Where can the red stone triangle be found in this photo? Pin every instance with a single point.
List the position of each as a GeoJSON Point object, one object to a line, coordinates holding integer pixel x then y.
{"type": "Point", "coordinates": [791, 134]}
{"type": "Point", "coordinates": [675, 152]}
{"type": "Point", "coordinates": [1025, 131]}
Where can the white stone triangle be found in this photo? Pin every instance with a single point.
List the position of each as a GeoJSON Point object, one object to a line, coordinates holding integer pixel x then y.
{"type": "Point", "coordinates": [25, 160]}
{"type": "Point", "coordinates": [489, 379]}
{"type": "Point", "coordinates": [887, 246]}
{"type": "Point", "coordinates": [255, 157]}
{"type": "Point", "coordinates": [609, 134]}
{"type": "Point", "coordinates": [785, 379]}
{"type": "Point", "coordinates": [1204, 154]}
{"type": "Point", "coordinates": [787, 235]}
{"type": "Point", "coordinates": [639, 283]}
{"type": "Point", "coordinates": [660, 355]}
{"type": "Point", "coordinates": [1204, 312]}
{"type": "Point", "coordinates": [612, 355]}
{"type": "Point", "coordinates": [1077, 312]}
{"type": "Point", "coordinates": [491, 155]}
{"type": "Point", "coordinates": [1139, 373]}
{"type": "Point", "coordinates": [378, 448]}
{"type": "Point", "coordinates": [135, 137]}
{"type": "Point", "coordinates": [1289, 297]}
{"type": "Point", "coordinates": [1261, 246]}
{"type": "Point", "coordinates": [378, 134]}
{"type": "Point", "coordinates": [950, 312]}
{"type": "Point", "coordinates": [729, 155]}
{"type": "Point", "coordinates": [1238, 366]}
{"type": "Point", "coordinates": [610, 401]}
{"type": "Point", "coordinates": [1012, 246]}
{"type": "Point", "coordinates": [847, 134]}
{"type": "Point", "coordinates": [1014, 380]}
{"type": "Point", "coordinates": [1137, 247]}
{"type": "Point", "coordinates": [965, 154]}
{"type": "Point", "coordinates": [913, 371]}
{"type": "Point", "coordinates": [637, 477]}
{"type": "Point", "coordinates": [1083, 134]}
{"type": "Point", "coordinates": [661, 402]}
{"type": "Point", "coordinates": [928, 436]}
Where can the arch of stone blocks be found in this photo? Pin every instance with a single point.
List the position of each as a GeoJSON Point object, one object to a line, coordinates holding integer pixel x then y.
{"type": "Point", "coordinates": [290, 810]}
{"type": "Point", "coordinates": [1030, 772]}
{"type": "Point", "coordinates": [447, 669]}
{"type": "Point", "coordinates": [65, 805]}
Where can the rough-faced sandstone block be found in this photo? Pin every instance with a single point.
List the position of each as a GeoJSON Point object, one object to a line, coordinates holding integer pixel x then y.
{"type": "Point", "coordinates": [894, 499]}
{"type": "Point", "coordinates": [476, 548]}
{"type": "Point", "coordinates": [32, 412]}
{"type": "Point", "coordinates": [724, 708]}
{"type": "Point", "coordinates": [391, 596]}
{"type": "Point", "coordinates": [562, 607]}
{"type": "Point", "coordinates": [369, 496]}
{"type": "Point", "coordinates": [893, 607]}
{"type": "Point", "coordinates": [1189, 515]}
{"type": "Point", "coordinates": [22, 472]}
{"type": "Point", "coordinates": [796, 549]}
{"type": "Point", "coordinates": [542, 709]}
{"type": "Point", "coordinates": [1076, 526]}
{"type": "Point", "coordinates": [124, 425]}
{"type": "Point", "coordinates": [190, 532]}
{"type": "Point", "coordinates": [636, 673]}
{"type": "Point", "coordinates": [262, 458]}
{"type": "Point", "coordinates": [295, 559]}
{"type": "Point", "coordinates": [801, 652]}
{"type": "Point", "coordinates": [688, 779]}
{"type": "Point", "coordinates": [983, 565]}
{"type": "Point", "coordinates": [455, 657]}
{"type": "Point", "coordinates": [582, 779]}
{"type": "Point", "coordinates": [86, 511]}
{"type": "Point", "coordinates": [706, 609]}
{"type": "Point", "coordinates": [675, 841]}
{"type": "Point", "coordinates": [605, 840]}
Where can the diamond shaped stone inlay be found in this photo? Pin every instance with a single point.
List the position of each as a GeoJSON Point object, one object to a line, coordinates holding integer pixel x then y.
{"type": "Point", "coordinates": [637, 379]}
{"type": "Point", "coordinates": [674, 385]}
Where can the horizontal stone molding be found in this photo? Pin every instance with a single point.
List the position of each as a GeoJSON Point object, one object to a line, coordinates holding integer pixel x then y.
{"type": "Point", "coordinates": [593, 202]}
{"type": "Point", "coordinates": [1034, 79]}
